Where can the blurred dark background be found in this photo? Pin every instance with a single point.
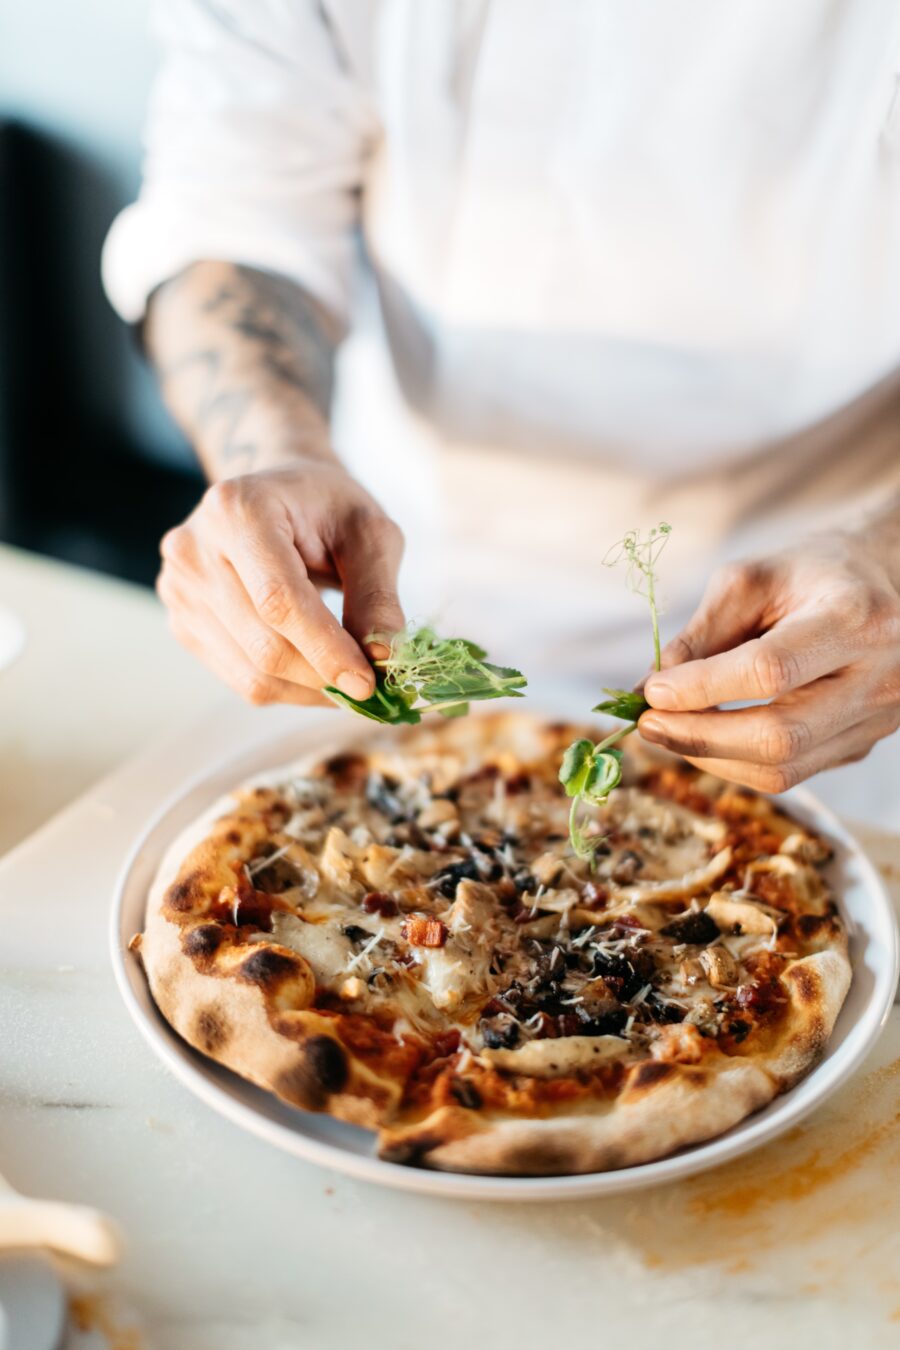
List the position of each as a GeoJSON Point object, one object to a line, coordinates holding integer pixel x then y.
{"type": "Point", "coordinates": [92, 469]}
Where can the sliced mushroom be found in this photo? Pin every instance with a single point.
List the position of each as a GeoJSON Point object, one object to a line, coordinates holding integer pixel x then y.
{"type": "Point", "coordinates": [720, 966]}
{"type": "Point", "coordinates": [703, 1015]}
{"type": "Point", "coordinates": [738, 912]}
{"type": "Point", "coordinates": [625, 866]}
{"type": "Point", "coordinates": [806, 847]}
{"type": "Point", "coordinates": [691, 971]}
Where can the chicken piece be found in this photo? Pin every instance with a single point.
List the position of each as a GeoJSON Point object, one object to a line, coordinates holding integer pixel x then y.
{"type": "Point", "coordinates": [598, 998]}
{"type": "Point", "coordinates": [440, 814]}
{"type": "Point", "coordinates": [678, 1043]}
{"type": "Point", "coordinates": [336, 863]}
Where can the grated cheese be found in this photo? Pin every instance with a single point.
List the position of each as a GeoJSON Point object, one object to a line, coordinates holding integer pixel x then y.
{"type": "Point", "coordinates": [364, 951]}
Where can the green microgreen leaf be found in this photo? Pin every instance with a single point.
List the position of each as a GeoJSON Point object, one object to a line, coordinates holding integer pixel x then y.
{"type": "Point", "coordinates": [427, 673]}
{"type": "Point", "coordinates": [604, 773]}
{"type": "Point", "coordinates": [392, 710]}
{"type": "Point", "coordinates": [623, 703]}
{"type": "Point", "coordinates": [575, 767]}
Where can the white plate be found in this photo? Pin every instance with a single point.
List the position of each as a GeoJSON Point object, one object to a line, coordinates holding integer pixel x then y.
{"type": "Point", "coordinates": [873, 948]}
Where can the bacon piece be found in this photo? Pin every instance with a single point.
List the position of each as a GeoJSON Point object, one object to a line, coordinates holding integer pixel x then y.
{"type": "Point", "coordinates": [594, 895]}
{"type": "Point", "coordinates": [379, 902]}
{"type": "Point", "coordinates": [760, 997]}
{"type": "Point", "coordinates": [421, 931]}
{"type": "Point", "coordinates": [445, 1043]}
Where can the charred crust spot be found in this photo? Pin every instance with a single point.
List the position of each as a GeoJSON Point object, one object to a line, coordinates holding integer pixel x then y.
{"type": "Point", "coordinates": [202, 943]}
{"type": "Point", "coordinates": [805, 982]}
{"type": "Point", "coordinates": [295, 1085]}
{"type": "Point", "coordinates": [648, 1074]}
{"type": "Point", "coordinates": [232, 836]}
{"type": "Point", "coordinates": [321, 1070]}
{"type": "Point", "coordinates": [326, 1060]}
{"type": "Point", "coordinates": [210, 1030]}
{"type": "Point", "coordinates": [412, 1150]}
{"type": "Point", "coordinates": [811, 925]}
{"type": "Point", "coordinates": [267, 968]}
{"type": "Point", "coordinates": [465, 1094]}
{"type": "Point", "coordinates": [182, 895]}
{"type": "Point", "coordinates": [346, 770]}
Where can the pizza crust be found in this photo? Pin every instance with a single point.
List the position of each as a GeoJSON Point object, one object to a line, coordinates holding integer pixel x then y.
{"type": "Point", "coordinates": [659, 1115]}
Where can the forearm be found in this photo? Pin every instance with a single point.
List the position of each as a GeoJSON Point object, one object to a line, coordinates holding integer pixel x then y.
{"type": "Point", "coordinates": [245, 361]}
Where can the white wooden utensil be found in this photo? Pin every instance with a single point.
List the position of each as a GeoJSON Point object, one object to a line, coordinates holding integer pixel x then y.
{"type": "Point", "coordinates": [74, 1230]}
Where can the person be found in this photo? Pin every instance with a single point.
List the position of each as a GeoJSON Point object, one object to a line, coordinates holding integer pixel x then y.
{"type": "Point", "coordinates": [578, 268]}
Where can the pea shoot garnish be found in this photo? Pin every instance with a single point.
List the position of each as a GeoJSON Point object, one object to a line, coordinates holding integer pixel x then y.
{"type": "Point", "coordinates": [590, 772]}
{"type": "Point", "coordinates": [425, 673]}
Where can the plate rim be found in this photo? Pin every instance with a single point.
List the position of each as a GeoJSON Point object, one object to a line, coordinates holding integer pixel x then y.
{"type": "Point", "coordinates": [749, 1134]}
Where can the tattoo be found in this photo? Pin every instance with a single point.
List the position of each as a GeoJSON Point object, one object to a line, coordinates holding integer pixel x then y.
{"type": "Point", "coordinates": [259, 343]}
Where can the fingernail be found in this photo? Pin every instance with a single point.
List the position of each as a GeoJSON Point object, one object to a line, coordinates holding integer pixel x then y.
{"type": "Point", "coordinates": [651, 728]}
{"type": "Point", "coordinates": [353, 685]}
{"type": "Point", "coordinates": [379, 651]}
{"type": "Point", "coordinates": [660, 694]}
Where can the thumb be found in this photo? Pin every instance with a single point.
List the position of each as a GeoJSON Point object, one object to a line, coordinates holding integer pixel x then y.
{"type": "Point", "coordinates": [730, 611]}
{"type": "Point", "coordinates": [368, 562]}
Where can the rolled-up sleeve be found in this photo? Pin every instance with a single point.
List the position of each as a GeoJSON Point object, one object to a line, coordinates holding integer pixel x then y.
{"type": "Point", "coordinates": [255, 152]}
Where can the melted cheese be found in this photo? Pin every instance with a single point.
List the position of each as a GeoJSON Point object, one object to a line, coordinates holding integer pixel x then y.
{"type": "Point", "coordinates": [323, 945]}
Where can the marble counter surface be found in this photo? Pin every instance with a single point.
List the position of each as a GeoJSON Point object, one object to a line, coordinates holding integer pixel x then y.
{"type": "Point", "coordinates": [234, 1246]}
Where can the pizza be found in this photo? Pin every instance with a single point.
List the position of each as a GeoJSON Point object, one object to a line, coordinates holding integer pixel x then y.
{"type": "Point", "coordinates": [398, 934]}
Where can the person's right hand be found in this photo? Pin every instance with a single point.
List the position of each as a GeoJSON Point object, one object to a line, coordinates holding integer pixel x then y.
{"type": "Point", "coordinates": [240, 580]}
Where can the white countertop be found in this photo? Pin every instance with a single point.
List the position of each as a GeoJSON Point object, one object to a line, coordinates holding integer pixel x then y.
{"type": "Point", "coordinates": [234, 1246]}
{"type": "Point", "coordinates": [99, 677]}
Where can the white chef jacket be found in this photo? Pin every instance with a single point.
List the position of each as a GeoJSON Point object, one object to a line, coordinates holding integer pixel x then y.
{"type": "Point", "coordinates": [636, 259]}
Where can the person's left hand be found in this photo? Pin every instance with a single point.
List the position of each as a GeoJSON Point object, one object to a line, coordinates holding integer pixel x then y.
{"type": "Point", "coordinates": [816, 630]}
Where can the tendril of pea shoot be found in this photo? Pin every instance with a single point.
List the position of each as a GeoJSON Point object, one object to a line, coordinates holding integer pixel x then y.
{"type": "Point", "coordinates": [589, 772]}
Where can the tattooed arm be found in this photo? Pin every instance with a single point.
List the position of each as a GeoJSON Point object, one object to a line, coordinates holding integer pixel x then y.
{"type": "Point", "coordinates": [245, 361]}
